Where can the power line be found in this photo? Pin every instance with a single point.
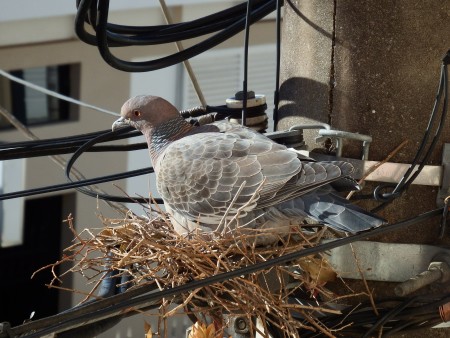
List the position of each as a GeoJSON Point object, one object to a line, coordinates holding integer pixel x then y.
{"type": "Point", "coordinates": [55, 94]}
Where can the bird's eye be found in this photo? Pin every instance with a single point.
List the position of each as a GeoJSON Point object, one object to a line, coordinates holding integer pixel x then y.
{"type": "Point", "coordinates": [136, 113]}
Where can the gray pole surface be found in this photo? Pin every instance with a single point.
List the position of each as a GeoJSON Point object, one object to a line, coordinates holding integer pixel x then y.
{"type": "Point", "coordinates": [370, 67]}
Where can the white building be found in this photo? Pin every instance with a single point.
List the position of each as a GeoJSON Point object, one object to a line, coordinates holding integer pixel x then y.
{"type": "Point", "coordinates": [38, 42]}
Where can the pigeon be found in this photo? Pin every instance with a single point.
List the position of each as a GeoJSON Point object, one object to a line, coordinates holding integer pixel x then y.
{"type": "Point", "coordinates": [223, 177]}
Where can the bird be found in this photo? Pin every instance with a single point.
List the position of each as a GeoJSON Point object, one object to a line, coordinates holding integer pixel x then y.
{"type": "Point", "coordinates": [222, 177]}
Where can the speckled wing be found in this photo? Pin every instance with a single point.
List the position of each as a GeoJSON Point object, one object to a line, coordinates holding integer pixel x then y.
{"type": "Point", "coordinates": [200, 175]}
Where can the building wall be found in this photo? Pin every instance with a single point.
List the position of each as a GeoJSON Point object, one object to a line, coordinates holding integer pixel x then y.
{"type": "Point", "coordinates": [43, 36]}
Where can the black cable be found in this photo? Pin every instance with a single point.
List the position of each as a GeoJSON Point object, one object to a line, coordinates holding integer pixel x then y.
{"type": "Point", "coordinates": [64, 145]}
{"type": "Point", "coordinates": [101, 138]}
{"type": "Point", "coordinates": [79, 144]}
{"type": "Point", "coordinates": [422, 156]}
{"type": "Point", "coordinates": [83, 183]}
{"type": "Point", "coordinates": [72, 138]}
{"type": "Point", "coordinates": [85, 308]}
{"type": "Point", "coordinates": [116, 308]}
{"type": "Point", "coordinates": [389, 315]}
{"type": "Point", "coordinates": [245, 82]}
{"type": "Point", "coordinates": [121, 35]}
{"type": "Point", "coordinates": [276, 96]}
{"type": "Point", "coordinates": [396, 314]}
{"type": "Point", "coordinates": [69, 144]}
{"type": "Point", "coordinates": [49, 150]}
{"type": "Point", "coordinates": [228, 23]}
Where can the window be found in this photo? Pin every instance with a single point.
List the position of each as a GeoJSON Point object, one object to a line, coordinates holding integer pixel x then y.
{"type": "Point", "coordinates": [43, 240]}
{"type": "Point", "coordinates": [32, 107]}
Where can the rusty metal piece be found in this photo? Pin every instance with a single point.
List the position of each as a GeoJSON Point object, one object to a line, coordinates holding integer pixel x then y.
{"type": "Point", "coordinates": [444, 311]}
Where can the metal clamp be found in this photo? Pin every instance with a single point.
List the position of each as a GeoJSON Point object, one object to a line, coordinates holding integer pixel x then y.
{"type": "Point", "coordinates": [379, 261]}
{"type": "Point", "coordinates": [338, 136]}
{"type": "Point", "coordinates": [311, 126]}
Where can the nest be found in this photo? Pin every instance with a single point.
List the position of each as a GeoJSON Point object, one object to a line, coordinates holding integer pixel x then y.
{"type": "Point", "coordinates": [150, 251]}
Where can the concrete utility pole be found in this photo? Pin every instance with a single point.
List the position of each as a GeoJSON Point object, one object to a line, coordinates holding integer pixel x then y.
{"type": "Point", "coordinates": [370, 67]}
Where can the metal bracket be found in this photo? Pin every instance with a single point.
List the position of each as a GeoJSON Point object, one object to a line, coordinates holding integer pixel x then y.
{"type": "Point", "coordinates": [389, 172]}
{"type": "Point", "coordinates": [380, 261]}
{"type": "Point", "coordinates": [339, 136]}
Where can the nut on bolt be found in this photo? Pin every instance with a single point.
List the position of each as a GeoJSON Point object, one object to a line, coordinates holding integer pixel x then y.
{"type": "Point", "coordinates": [241, 325]}
{"type": "Point", "coordinates": [438, 271]}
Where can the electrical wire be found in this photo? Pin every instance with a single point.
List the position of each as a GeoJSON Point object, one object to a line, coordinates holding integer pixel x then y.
{"type": "Point", "coordinates": [422, 155]}
{"type": "Point", "coordinates": [55, 94]}
{"type": "Point", "coordinates": [70, 144]}
{"type": "Point", "coordinates": [276, 96]}
{"type": "Point", "coordinates": [245, 82]}
{"type": "Point", "coordinates": [390, 314]}
{"type": "Point", "coordinates": [65, 145]}
{"type": "Point", "coordinates": [101, 138]}
{"type": "Point", "coordinates": [78, 144]}
{"type": "Point", "coordinates": [396, 314]}
{"type": "Point", "coordinates": [224, 24]}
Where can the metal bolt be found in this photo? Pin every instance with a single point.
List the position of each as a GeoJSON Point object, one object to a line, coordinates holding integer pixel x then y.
{"type": "Point", "coordinates": [437, 272]}
{"type": "Point", "coordinates": [240, 325]}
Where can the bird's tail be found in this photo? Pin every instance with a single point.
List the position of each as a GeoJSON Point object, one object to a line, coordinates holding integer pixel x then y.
{"type": "Point", "coordinates": [338, 213]}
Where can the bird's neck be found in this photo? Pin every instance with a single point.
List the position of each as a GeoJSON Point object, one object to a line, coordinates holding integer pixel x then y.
{"type": "Point", "coordinates": [165, 133]}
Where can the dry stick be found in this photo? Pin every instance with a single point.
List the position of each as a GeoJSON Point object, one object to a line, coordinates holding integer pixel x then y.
{"type": "Point", "coordinates": [183, 304]}
{"type": "Point", "coordinates": [59, 160]}
{"type": "Point", "coordinates": [223, 220]}
{"type": "Point", "coordinates": [252, 198]}
{"type": "Point", "coordinates": [320, 328]}
{"type": "Point", "coordinates": [87, 294]}
{"type": "Point", "coordinates": [197, 255]}
{"type": "Point", "coordinates": [186, 63]}
{"type": "Point", "coordinates": [369, 292]}
{"type": "Point", "coordinates": [129, 253]}
{"type": "Point", "coordinates": [371, 170]}
{"type": "Point", "coordinates": [377, 165]}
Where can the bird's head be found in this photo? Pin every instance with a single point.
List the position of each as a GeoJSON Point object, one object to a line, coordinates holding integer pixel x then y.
{"type": "Point", "coordinates": [145, 112]}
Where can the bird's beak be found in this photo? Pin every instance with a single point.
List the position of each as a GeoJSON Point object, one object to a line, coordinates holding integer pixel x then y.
{"type": "Point", "coordinates": [119, 123]}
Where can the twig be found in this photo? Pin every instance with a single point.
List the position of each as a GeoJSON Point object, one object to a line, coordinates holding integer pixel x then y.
{"type": "Point", "coordinates": [363, 278]}
{"type": "Point", "coordinates": [168, 259]}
